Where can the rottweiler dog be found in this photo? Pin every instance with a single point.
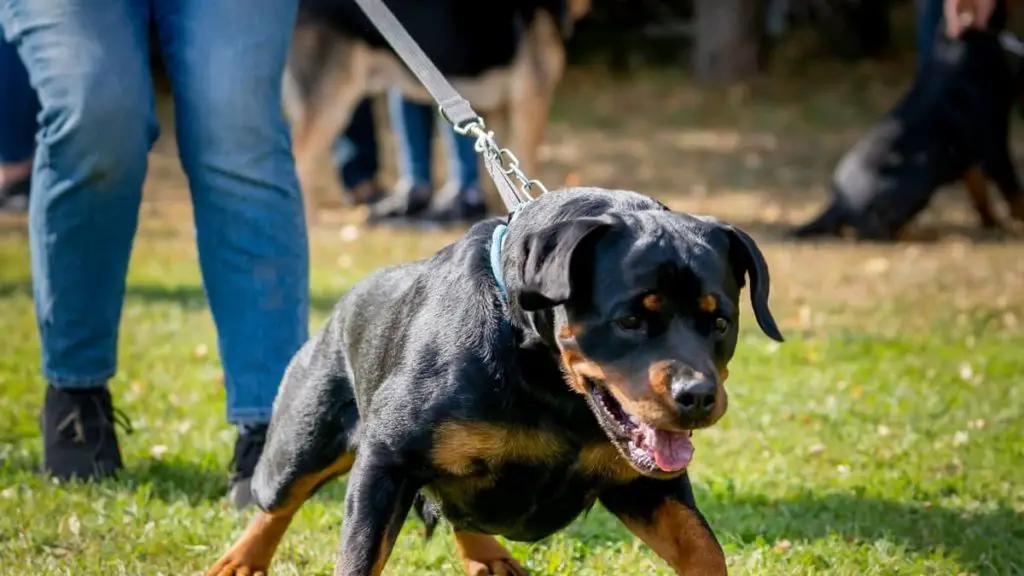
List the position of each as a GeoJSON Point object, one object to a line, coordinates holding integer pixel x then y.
{"type": "Point", "coordinates": [514, 379]}
{"type": "Point", "coordinates": [953, 124]}
{"type": "Point", "coordinates": [505, 56]}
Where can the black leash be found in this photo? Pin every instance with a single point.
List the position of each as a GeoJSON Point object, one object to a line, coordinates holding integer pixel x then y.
{"type": "Point", "coordinates": [501, 163]}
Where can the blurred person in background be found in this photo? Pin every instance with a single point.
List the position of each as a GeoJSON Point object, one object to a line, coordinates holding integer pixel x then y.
{"type": "Point", "coordinates": [356, 159]}
{"type": "Point", "coordinates": [460, 200]}
{"type": "Point", "coordinates": [952, 17]}
{"type": "Point", "coordinates": [89, 63]}
{"type": "Point", "coordinates": [18, 109]}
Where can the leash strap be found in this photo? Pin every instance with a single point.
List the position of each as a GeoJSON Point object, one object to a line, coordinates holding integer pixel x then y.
{"type": "Point", "coordinates": [500, 163]}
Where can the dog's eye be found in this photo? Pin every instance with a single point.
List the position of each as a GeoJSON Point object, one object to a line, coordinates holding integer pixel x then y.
{"type": "Point", "coordinates": [722, 325]}
{"type": "Point", "coordinates": [629, 323]}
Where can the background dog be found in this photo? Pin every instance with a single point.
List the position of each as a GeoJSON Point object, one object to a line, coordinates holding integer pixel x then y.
{"type": "Point", "coordinates": [953, 124]}
{"type": "Point", "coordinates": [503, 56]}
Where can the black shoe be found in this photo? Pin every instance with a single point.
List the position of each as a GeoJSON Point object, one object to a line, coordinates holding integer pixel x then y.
{"type": "Point", "coordinates": [457, 206]}
{"type": "Point", "coordinates": [407, 202]}
{"type": "Point", "coordinates": [248, 447]}
{"type": "Point", "coordinates": [14, 197]}
{"type": "Point", "coordinates": [79, 440]}
{"type": "Point", "coordinates": [367, 193]}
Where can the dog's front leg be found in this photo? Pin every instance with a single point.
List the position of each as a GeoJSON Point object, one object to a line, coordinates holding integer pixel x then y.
{"type": "Point", "coordinates": [379, 498]}
{"type": "Point", "coordinates": [1004, 174]}
{"type": "Point", "coordinates": [664, 515]}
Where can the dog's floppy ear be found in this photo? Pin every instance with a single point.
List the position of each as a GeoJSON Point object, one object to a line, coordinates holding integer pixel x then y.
{"type": "Point", "coordinates": [545, 272]}
{"type": "Point", "coordinates": [746, 259]}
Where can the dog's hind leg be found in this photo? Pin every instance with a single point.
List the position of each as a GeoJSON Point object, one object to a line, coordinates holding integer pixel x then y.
{"type": "Point", "coordinates": [324, 80]}
{"type": "Point", "coordinates": [537, 70]}
{"type": "Point", "coordinates": [482, 555]}
{"type": "Point", "coordinates": [976, 186]}
{"type": "Point", "coordinates": [311, 440]}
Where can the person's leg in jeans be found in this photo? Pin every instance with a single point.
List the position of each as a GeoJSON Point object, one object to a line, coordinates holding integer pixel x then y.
{"type": "Point", "coordinates": [461, 199]}
{"type": "Point", "coordinates": [18, 109]}
{"type": "Point", "coordinates": [89, 65]}
{"type": "Point", "coordinates": [929, 21]}
{"type": "Point", "coordinates": [225, 61]}
{"type": "Point", "coordinates": [413, 126]}
{"type": "Point", "coordinates": [355, 156]}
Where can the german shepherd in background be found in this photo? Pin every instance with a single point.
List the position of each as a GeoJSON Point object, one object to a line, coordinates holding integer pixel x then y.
{"type": "Point", "coordinates": [501, 55]}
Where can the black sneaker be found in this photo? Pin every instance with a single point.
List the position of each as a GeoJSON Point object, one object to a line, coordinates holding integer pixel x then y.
{"type": "Point", "coordinates": [408, 202]}
{"type": "Point", "coordinates": [457, 206]}
{"type": "Point", "coordinates": [248, 447]}
{"type": "Point", "coordinates": [14, 197]}
{"type": "Point", "coordinates": [79, 440]}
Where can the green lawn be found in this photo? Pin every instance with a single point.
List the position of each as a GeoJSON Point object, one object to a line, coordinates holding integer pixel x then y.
{"type": "Point", "coordinates": [884, 437]}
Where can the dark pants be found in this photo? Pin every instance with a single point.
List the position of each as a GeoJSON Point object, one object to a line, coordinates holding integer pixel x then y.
{"type": "Point", "coordinates": [18, 107]}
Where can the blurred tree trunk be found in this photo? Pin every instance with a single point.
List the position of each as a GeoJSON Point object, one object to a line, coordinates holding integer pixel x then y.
{"type": "Point", "coordinates": [728, 40]}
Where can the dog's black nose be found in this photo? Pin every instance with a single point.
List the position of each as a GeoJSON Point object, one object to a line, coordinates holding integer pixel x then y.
{"type": "Point", "coordinates": [694, 393]}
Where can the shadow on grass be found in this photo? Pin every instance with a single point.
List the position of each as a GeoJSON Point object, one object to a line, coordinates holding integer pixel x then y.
{"type": "Point", "coordinates": [985, 541]}
{"type": "Point", "coordinates": [186, 296]}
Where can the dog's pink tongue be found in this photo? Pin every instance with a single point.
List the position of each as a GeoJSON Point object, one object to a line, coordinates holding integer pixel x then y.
{"type": "Point", "coordinates": [672, 451]}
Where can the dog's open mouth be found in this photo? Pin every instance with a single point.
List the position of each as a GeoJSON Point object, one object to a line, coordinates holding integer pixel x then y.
{"type": "Point", "coordinates": [651, 450]}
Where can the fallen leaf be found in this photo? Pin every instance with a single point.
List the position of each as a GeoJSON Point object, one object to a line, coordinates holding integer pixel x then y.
{"type": "Point", "coordinates": [843, 470]}
{"type": "Point", "coordinates": [348, 233]}
{"type": "Point", "coordinates": [883, 430]}
{"type": "Point", "coordinates": [857, 391]}
{"type": "Point", "coordinates": [876, 266]}
{"type": "Point", "coordinates": [201, 351]}
{"type": "Point", "coordinates": [158, 451]}
{"type": "Point", "coordinates": [9, 492]}
{"type": "Point", "coordinates": [966, 372]}
{"type": "Point", "coordinates": [816, 450]}
{"type": "Point", "coordinates": [977, 424]}
{"type": "Point", "coordinates": [783, 545]}
{"type": "Point", "coordinates": [960, 438]}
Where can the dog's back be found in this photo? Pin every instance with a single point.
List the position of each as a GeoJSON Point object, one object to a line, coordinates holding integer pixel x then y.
{"type": "Point", "coordinates": [463, 37]}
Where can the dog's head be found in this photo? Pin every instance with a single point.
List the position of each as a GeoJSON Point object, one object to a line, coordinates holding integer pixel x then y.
{"type": "Point", "coordinates": [645, 311]}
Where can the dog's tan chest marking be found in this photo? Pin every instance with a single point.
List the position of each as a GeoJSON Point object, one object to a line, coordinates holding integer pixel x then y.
{"type": "Point", "coordinates": [461, 448]}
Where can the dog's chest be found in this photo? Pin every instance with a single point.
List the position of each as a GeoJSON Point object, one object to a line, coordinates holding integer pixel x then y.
{"type": "Point", "coordinates": [520, 483]}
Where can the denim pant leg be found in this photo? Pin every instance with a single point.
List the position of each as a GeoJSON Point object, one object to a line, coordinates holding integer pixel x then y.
{"type": "Point", "coordinates": [18, 107]}
{"type": "Point", "coordinates": [928, 23]}
{"type": "Point", "coordinates": [463, 164]}
{"type": "Point", "coordinates": [225, 61]}
{"type": "Point", "coordinates": [414, 128]}
{"type": "Point", "coordinates": [89, 65]}
{"type": "Point", "coordinates": [355, 150]}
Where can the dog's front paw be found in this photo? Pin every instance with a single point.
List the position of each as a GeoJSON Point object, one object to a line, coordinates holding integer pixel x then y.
{"type": "Point", "coordinates": [482, 555]}
{"type": "Point", "coordinates": [502, 567]}
{"type": "Point", "coordinates": [231, 567]}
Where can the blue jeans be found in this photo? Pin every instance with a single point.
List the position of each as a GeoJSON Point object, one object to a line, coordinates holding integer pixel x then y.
{"type": "Point", "coordinates": [929, 20]}
{"type": "Point", "coordinates": [18, 107]}
{"type": "Point", "coordinates": [355, 151]}
{"type": "Point", "coordinates": [89, 63]}
{"type": "Point", "coordinates": [414, 125]}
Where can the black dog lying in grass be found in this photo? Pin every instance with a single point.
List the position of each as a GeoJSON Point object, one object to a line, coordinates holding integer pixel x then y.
{"type": "Point", "coordinates": [513, 380]}
{"type": "Point", "coordinates": [953, 124]}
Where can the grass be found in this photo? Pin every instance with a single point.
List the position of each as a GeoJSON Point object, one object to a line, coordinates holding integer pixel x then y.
{"type": "Point", "coordinates": [884, 437]}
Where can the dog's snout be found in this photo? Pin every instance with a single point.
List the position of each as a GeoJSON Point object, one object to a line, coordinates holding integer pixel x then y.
{"type": "Point", "coordinates": [694, 392]}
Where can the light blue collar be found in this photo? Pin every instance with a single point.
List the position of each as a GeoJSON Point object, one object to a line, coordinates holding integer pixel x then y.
{"type": "Point", "coordinates": [497, 243]}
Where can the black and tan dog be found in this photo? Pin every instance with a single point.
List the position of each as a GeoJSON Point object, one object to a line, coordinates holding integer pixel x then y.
{"type": "Point", "coordinates": [505, 56]}
{"type": "Point", "coordinates": [953, 124]}
{"type": "Point", "coordinates": [513, 380]}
